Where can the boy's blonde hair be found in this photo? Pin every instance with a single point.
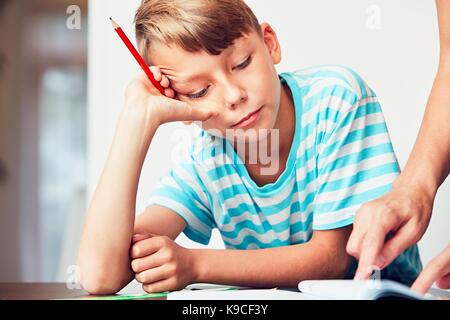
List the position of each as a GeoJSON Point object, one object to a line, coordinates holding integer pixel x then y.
{"type": "Point", "coordinates": [193, 25]}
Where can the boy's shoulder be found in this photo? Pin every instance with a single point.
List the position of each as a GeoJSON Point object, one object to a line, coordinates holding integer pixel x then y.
{"type": "Point", "coordinates": [314, 79]}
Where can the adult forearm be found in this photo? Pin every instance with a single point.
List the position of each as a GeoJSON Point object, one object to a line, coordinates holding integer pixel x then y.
{"type": "Point", "coordinates": [266, 268]}
{"type": "Point", "coordinates": [429, 165]}
{"type": "Point", "coordinates": [443, 12]}
{"type": "Point", "coordinates": [106, 240]}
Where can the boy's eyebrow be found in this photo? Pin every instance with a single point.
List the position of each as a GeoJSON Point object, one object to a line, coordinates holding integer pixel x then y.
{"type": "Point", "coordinates": [187, 80]}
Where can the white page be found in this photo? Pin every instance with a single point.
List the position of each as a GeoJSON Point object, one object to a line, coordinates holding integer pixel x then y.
{"type": "Point", "coordinates": [355, 290]}
{"type": "Point", "coordinates": [250, 294]}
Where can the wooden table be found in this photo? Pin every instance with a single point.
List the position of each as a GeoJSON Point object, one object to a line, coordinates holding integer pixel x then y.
{"type": "Point", "coordinates": [43, 291]}
{"type": "Point", "coordinates": [38, 291]}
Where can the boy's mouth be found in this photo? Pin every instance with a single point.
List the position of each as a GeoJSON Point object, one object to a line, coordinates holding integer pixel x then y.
{"type": "Point", "coordinates": [248, 120]}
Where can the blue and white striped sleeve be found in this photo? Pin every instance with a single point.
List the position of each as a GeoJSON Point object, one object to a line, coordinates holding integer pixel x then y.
{"type": "Point", "coordinates": [356, 162]}
{"type": "Point", "coordinates": [182, 191]}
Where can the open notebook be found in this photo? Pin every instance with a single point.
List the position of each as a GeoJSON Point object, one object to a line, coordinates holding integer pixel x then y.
{"type": "Point", "coordinates": [308, 290]}
{"type": "Point", "coordinates": [359, 290]}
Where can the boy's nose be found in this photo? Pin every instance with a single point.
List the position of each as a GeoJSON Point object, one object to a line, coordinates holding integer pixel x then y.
{"type": "Point", "coordinates": [234, 95]}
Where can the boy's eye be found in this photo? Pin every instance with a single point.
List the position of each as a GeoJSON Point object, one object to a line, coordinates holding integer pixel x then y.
{"type": "Point", "coordinates": [203, 92]}
{"type": "Point", "coordinates": [244, 64]}
{"type": "Point", "coordinates": [199, 94]}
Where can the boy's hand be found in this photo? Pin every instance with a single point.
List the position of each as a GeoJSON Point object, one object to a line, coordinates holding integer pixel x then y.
{"type": "Point", "coordinates": [160, 264]}
{"type": "Point", "coordinates": [144, 98]}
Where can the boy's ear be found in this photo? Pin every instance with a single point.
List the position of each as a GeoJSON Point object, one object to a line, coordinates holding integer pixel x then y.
{"type": "Point", "coordinates": [271, 41]}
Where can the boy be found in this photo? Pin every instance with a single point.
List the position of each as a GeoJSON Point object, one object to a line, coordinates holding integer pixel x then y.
{"type": "Point", "coordinates": [281, 223]}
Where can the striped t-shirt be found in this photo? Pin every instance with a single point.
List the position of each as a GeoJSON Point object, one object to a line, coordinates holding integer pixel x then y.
{"type": "Point", "coordinates": [341, 157]}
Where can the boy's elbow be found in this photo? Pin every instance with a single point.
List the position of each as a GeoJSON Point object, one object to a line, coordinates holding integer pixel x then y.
{"type": "Point", "coordinates": [97, 284]}
{"type": "Point", "coordinates": [99, 289]}
{"type": "Point", "coordinates": [100, 279]}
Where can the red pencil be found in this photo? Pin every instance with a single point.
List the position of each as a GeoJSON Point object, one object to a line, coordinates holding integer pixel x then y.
{"type": "Point", "coordinates": [137, 56]}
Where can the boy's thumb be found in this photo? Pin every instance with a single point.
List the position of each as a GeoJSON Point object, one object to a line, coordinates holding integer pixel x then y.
{"type": "Point", "coordinates": [201, 114]}
{"type": "Point", "coordinates": [188, 114]}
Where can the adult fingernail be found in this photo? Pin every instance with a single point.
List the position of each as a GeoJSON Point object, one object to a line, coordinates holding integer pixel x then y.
{"type": "Point", "coordinates": [381, 261]}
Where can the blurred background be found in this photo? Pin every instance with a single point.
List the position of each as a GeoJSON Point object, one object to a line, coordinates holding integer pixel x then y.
{"type": "Point", "coordinates": [63, 72]}
{"type": "Point", "coordinates": [43, 159]}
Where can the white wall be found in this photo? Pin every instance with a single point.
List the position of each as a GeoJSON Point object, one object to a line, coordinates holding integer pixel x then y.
{"type": "Point", "coordinates": [398, 60]}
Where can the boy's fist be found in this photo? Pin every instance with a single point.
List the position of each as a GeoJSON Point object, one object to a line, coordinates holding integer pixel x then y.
{"type": "Point", "coordinates": [143, 96]}
{"type": "Point", "coordinates": [160, 264]}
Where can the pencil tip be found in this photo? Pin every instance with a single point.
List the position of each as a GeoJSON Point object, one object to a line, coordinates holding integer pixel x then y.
{"type": "Point", "coordinates": [115, 25]}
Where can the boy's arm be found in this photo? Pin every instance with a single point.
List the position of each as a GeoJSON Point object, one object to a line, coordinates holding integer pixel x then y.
{"type": "Point", "coordinates": [104, 250]}
{"type": "Point", "coordinates": [104, 253]}
{"type": "Point", "coordinates": [323, 257]}
{"type": "Point", "coordinates": [162, 265]}
{"type": "Point", "coordinates": [158, 220]}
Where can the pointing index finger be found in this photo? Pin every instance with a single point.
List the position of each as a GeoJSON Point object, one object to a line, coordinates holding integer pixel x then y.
{"type": "Point", "coordinates": [370, 248]}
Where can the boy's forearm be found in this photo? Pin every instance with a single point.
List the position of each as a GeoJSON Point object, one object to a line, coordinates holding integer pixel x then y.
{"type": "Point", "coordinates": [110, 218]}
{"type": "Point", "coordinates": [266, 268]}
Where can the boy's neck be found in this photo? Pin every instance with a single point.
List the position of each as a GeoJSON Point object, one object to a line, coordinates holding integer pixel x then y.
{"type": "Point", "coordinates": [285, 124]}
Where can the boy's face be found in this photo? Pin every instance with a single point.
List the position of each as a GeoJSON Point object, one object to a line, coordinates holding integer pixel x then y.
{"type": "Point", "coordinates": [241, 83]}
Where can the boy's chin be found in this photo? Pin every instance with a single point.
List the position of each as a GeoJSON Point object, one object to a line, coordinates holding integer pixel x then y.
{"type": "Point", "coordinates": [250, 136]}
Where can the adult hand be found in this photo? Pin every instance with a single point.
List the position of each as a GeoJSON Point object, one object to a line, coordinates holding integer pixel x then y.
{"type": "Point", "coordinates": [438, 270]}
{"type": "Point", "coordinates": [385, 227]}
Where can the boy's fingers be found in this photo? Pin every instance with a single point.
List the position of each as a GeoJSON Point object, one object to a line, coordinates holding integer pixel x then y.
{"type": "Point", "coordinates": [169, 93]}
{"type": "Point", "coordinates": [172, 110]}
{"type": "Point", "coordinates": [201, 115]}
{"type": "Point", "coordinates": [152, 275]}
{"type": "Point", "coordinates": [139, 237]}
{"type": "Point", "coordinates": [145, 248]}
{"type": "Point", "coordinates": [156, 73]}
{"type": "Point", "coordinates": [165, 82]}
{"type": "Point", "coordinates": [160, 286]}
{"type": "Point", "coordinates": [182, 111]}
{"type": "Point", "coordinates": [148, 262]}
